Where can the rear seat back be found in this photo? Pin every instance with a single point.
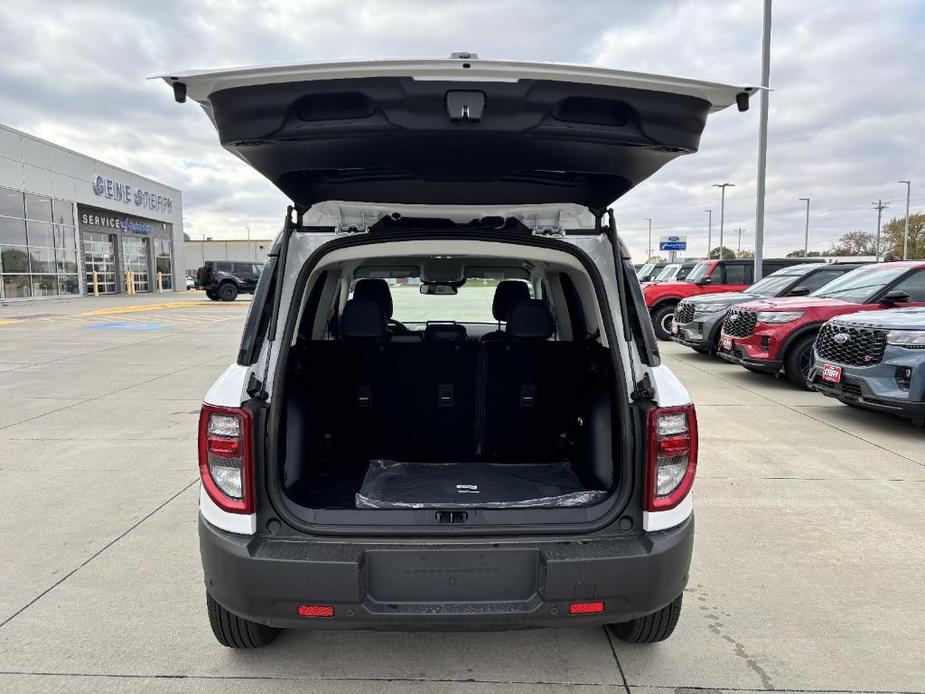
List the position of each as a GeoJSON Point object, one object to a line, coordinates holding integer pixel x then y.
{"type": "Point", "coordinates": [534, 389]}
{"type": "Point", "coordinates": [443, 400]}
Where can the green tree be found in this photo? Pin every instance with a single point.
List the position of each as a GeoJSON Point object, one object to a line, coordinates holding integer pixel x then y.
{"type": "Point", "coordinates": [892, 232]}
{"type": "Point", "coordinates": [745, 254]}
{"type": "Point", "coordinates": [859, 242]}
{"type": "Point", "coordinates": [728, 253]}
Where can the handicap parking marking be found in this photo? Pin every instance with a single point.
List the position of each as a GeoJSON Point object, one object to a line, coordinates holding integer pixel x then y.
{"type": "Point", "coordinates": [128, 325]}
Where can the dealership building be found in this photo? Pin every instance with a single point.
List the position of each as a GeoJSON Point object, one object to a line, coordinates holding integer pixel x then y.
{"type": "Point", "coordinates": [71, 224]}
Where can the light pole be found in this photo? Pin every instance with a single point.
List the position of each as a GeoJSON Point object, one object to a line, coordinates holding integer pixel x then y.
{"type": "Point", "coordinates": [739, 246]}
{"type": "Point", "coordinates": [709, 232]}
{"type": "Point", "coordinates": [649, 219]}
{"type": "Point", "coordinates": [722, 212]}
{"type": "Point", "coordinates": [906, 228]}
{"type": "Point", "coordinates": [806, 236]}
{"type": "Point", "coordinates": [762, 138]}
{"type": "Point", "coordinates": [253, 255]}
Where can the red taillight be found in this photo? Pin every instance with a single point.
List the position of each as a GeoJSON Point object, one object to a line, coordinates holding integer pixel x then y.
{"type": "Point", "coordinates": [225, 457]}
{"type": "Point", "coordinates": [224, 447]}
{"type": "Point", "coordinates": [586, 608]}
{"type": "Point", "coordinates": [315, 610]}
{"type": "Point", "coordinates": [672, 456]}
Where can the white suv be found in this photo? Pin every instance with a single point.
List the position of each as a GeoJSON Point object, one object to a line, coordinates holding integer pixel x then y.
{"type": "Point", "coordinates": [448, 409]}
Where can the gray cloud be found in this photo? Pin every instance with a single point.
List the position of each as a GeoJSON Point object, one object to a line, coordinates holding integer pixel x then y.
{"type": "Point", "coordinates": [846, 113]}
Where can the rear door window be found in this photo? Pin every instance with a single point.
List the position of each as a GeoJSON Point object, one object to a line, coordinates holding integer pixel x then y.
{"type": "Point", "coordinates": [223, 267]}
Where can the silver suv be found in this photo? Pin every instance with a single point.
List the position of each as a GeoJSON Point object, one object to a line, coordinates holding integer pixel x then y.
{"type": "Point", "coordinates": [874, 359]}
{"type": "Point", "coordinates": [448, 409]}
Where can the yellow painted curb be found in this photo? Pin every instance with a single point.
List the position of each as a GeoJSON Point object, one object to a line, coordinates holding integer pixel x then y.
{"type": "Point", "coordinates": [114, 310]}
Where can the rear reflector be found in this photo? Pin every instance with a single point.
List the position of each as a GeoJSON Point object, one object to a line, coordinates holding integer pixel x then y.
{"type": "Point", "coordinates": [586, 608]}
{"type": "Point", "coordinates": [315, 610]}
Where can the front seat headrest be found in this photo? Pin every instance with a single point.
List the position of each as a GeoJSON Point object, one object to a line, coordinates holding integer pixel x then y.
{"type": "Point", "coordinates": [374, 290]}
{"type": "Point", "coordinates": [508, 293]}
{"type": "Point", "coordinates": [363, 319]}
{"type": "Point", "coordinates": [530, 319]}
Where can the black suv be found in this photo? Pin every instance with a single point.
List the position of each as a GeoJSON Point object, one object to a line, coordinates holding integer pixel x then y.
{"type": "Point", "coordinates": [225, 279]}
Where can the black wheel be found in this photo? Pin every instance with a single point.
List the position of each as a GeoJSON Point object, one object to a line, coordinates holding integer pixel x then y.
{"type": "Point", "coordinates": [228, 292]}
{"type": "Point", "coordinates": [236, 632]}
{"type": "Point", "coordinates": [654, 627]}
{"type": "Point", "coordinates": [799, 361]}
{"type": "Point", "coordinates": [661, 321]}
{"type": "Point", "coordinates": [212, 295]}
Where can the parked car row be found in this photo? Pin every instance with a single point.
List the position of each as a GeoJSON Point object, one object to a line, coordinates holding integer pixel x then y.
{"type": "Point", "coordinates": [851, 331]}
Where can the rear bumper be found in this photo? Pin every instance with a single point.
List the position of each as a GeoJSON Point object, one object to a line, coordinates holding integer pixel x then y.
{"type": "Point", "coordinates": [445, 586]}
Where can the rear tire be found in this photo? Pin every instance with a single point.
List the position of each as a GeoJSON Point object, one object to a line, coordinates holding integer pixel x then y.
{"type": "Point", "coordinates": [236, 632]}
{"type": "Point", "coordinates": [212, 295]}
{"type": "Point", "coordinates": [799, 361]}
{"type": "Point", "coordinates": [652, 628]}
{"type": "Point", "coordinates": [228, 292]}
{"type": "Point", "coordinates": [661, 321]}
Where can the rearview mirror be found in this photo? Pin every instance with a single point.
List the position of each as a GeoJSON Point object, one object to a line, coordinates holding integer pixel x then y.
{"type": "Point", "coordinates": [799, 291]}
{"type": "Point", "coordinates": [704, 280]}
{"type": "Point", "coordinates": [894, 296]}
{"type": "Point", "coordinates": [435, 289]}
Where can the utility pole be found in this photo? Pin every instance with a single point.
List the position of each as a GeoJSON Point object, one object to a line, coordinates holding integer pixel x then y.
{"type": "Point", "coordinates": [649, 219]}
{"type": "Point", "coordinates": [739, 246]}
{"type": "Point", "coordinates": [880, 206]}
{"type": "Point", "coordinates": [709, 232]}
{"type": "Point", "coordinates": [906, 228]}
{"type": "Point", "coordinates": [763, 137]}
{"type": "Point", "coordinates": [722, 212]}
{"type": "Point", "coordinates": [806, 238]}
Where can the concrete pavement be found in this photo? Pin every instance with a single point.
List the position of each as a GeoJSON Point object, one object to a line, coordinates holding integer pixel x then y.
{"type": "Point", "coordinates": [807, 568]}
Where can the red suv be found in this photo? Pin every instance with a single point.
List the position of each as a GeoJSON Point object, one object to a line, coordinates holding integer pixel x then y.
{"type": "Point", "coordinates": [707, 277]}
{"type": "Point", "coordinates": [773, 334]}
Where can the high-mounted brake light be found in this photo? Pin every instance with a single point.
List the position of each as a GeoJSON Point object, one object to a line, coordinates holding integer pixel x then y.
{"type": "Point", "coordinates": [672, 456]}
{"type": "Point", "coordinates": [225, 458]}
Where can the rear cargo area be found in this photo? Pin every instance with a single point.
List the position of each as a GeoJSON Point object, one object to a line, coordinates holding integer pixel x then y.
{"type": "Point", "coordinates": [387, 423]}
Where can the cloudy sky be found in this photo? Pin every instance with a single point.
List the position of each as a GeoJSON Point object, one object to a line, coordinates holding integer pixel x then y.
{"type": "Point", "coordinates": [847, 115]}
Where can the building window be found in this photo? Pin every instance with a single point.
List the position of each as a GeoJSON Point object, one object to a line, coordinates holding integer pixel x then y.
{"type": "Point", "coordinates": [37, 257]}
{"type": "Point", "coordinates": [163, 262]}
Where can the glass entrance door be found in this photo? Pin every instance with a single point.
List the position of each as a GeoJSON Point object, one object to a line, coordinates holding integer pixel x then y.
{"type": "Point", "coordinates": [100, 255]}
{"type": "Point", "coordinates": [135, 258]}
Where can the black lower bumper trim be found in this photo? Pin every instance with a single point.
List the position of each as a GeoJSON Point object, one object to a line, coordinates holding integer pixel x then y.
{"type": "Point", "coordinates": [443, 586]}
{"type": "Point", "coordinates": [693, 344]}
{"type": "Point", "coordinates": [766, 365]}
{"type": "Point", "coordinates": [910, 409]}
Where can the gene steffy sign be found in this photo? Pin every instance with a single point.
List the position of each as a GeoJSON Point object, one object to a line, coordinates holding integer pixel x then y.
{"type": "Point", "coordinates": [115, 190]}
